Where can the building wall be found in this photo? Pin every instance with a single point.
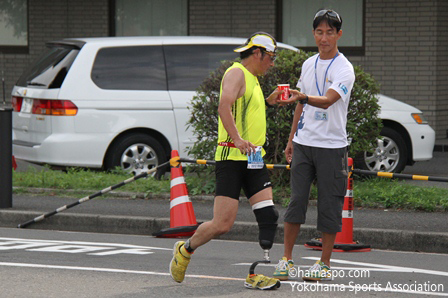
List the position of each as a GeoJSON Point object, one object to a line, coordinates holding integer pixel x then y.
{"type": "Point", "coordinates": [237, 18]}
{"type": "Point", "coordinates": [406, 41]}
{"type": "Point", "coordinates": [442, 70]}
{"type": "Point", "coordinates": [404, 52]}
{"type": "Point", "coordinates": [51, 20]}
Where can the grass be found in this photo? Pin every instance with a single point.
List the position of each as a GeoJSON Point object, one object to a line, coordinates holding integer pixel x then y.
{"type": "Point", "coordinates": [368, 192]}
{"type": "Point", "coordinates": [374, 192]}
{"type": "Point", "coordinates": [82, 181]}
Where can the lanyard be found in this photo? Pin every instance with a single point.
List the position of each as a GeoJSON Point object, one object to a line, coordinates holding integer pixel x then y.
{"type": "Point", "coordinates": [325, 78]}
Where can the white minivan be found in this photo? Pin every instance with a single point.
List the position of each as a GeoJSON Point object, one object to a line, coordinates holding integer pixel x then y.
{"type": "Point", "coordinates": [122, 101]}
{"type": "Point", "coordinates": [113, 101]}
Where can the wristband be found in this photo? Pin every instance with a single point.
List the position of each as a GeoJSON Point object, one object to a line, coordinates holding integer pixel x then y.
{"type": "Point", "coordinates": [304, 101]}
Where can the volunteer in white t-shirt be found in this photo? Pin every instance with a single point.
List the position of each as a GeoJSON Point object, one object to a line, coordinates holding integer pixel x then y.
{"type": "Point", "coordinates": [323, 125]}
{"type": "Point", "coordinates": [317, 145]}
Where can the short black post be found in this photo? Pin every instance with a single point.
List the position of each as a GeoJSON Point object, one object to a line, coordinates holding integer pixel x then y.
{"type": "Point", "coordinates": [5, 157]}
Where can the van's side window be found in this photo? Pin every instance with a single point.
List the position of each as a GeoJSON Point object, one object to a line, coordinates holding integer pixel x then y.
{"type": "Point", "coordinates": [188, 65]}
{"type": "Point", "coordinates": [130, 68]}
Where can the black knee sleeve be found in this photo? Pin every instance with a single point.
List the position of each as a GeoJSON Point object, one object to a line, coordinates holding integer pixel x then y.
{"type": "Point", "coordinates": [267, 223]}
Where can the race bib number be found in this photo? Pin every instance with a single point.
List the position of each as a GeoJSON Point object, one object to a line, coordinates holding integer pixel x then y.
{"type": "Point", "coordinates": [321, 115]}
{"type": "Point", "coordinates": [255, 160]}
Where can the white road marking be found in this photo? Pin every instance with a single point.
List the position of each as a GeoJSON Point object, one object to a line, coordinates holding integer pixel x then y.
{"type": "Point", "coordinates": [111, 270]}
{"type": "Point", "coordinates": [332, 267]}
{"type": "Point", "coordinates": [116, 248]}
{"type": "Point", "coordinates": [84, 243]}
{"type": "Point", "coordinates": [91, 248]}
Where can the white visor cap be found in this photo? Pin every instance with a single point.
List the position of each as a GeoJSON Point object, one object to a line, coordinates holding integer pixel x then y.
{"type": "Point", "coordinates": [259, 40]}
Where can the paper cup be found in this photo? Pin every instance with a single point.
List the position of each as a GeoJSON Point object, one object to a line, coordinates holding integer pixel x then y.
{"type": "Point", "coordinates": [285, 88]}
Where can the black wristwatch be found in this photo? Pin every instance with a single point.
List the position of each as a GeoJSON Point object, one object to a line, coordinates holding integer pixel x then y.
{"type": "Point", "coordinates": [304, 101]}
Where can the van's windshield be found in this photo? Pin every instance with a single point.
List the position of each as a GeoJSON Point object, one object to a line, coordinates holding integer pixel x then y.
{"type": "Point", "coordinates": [50, 69]}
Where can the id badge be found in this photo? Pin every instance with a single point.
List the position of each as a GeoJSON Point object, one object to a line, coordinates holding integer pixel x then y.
{"type": "Point", "coordinates": [255, 160]}
{"type": "Point", "coordinates": [321, 115]}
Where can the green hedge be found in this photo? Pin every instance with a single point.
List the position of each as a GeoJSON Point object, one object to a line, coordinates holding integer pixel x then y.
{"type": "Point", "coordinates": [363, 124]}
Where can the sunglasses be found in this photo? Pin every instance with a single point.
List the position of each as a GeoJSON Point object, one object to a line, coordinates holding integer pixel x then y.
{"type": "Point", "coordinates": [272, 56]}
{"type": "Point", "coordinates": [331, 13]}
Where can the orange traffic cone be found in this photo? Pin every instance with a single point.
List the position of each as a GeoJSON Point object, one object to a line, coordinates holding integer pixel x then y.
{"type": "Point", "coordinates": [182, 219]}
{"type": "Point", "coordinates": [344, 239]}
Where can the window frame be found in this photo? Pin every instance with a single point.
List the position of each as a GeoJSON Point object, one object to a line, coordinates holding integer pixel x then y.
{"type": "Point", "coordinates": [347, 50]}
{"type": "Point", "coordinates": [20, 49]}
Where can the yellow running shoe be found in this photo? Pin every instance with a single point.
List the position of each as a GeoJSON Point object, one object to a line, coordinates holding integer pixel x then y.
{"type": "Point", "coordinates": [179, 263]}
{"type": "Point", "coordinates": [259, 281]}
{"type": "Point", "coordinates": [282, 269]}
{"type": "Point", "coordinates": [318, 272]}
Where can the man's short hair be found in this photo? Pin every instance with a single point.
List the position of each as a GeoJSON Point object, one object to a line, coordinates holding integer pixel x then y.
{"type": "Point", "coordinates": [248, 52]}
{"type": "Point", "coordinates": [331, 17]}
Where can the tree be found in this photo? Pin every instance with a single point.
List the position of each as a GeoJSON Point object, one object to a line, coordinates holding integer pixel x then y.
{"type": "Point", "coordinates": [363, 124]}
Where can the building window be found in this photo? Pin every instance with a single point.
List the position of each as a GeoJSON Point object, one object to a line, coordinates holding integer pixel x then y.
{"type": "Point", "coordinates": [149, 18]}
{"type": "Point", "coordinates": [14, 26]}
{"type": "Point", "coordinates": [296, 23]}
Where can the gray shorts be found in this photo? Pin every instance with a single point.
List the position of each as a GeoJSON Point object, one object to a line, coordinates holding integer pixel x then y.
{"type": "Point", "coordinates": [329, 167]}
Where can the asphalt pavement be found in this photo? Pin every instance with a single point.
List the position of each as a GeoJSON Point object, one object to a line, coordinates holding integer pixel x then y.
{"type": "Point", "coordinates": [120, 213]}
{"type": "Point", "coordinates": [54, 264]}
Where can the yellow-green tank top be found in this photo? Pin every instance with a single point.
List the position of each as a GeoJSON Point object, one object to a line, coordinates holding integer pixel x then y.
{"type": "Point", "coordinates": [249, 114]}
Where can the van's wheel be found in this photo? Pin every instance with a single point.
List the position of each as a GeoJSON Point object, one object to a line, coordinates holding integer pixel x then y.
{"type": "Point", "coordinates": [390, 155]}
{"type": "Point", "coordinates": [137, 153]}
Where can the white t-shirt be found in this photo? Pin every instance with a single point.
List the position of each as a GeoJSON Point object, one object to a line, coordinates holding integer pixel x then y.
{"type": "Point", "coordinates": [325, 128]}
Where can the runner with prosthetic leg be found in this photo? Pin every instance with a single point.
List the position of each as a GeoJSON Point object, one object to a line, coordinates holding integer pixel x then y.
{"type": "Point", "coordinates": [239, 158]}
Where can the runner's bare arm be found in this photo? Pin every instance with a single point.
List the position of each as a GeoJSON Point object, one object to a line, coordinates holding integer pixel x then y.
{"type": "Point", "coordinates": [233, 87]}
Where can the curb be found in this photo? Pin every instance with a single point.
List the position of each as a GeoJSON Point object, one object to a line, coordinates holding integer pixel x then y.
{"type": "Point", "coordinates": [135, 225]}
{"type": "Point", "coordinates": [440, 148]}
{"type": "Point", "coordinates": [114, 194]}
{"type": "Point", "coordinates": [242, 231]}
